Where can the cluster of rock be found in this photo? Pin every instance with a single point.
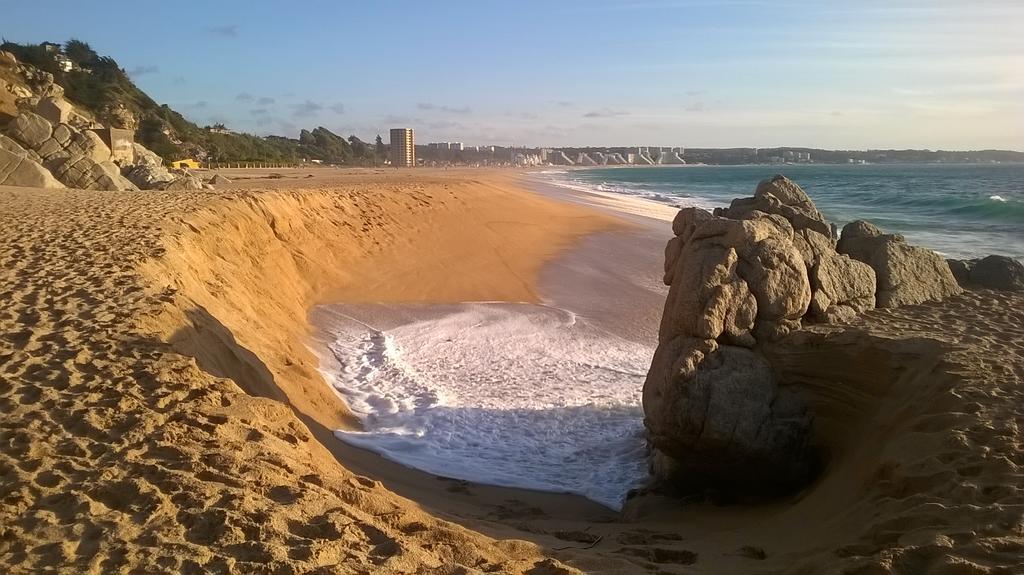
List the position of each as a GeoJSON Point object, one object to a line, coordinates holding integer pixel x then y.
{"type": "Point", "coordinates": [35, 152]}
{"type": "Point", "coordinates": [741, 277]}
{"type": "Point", "coordinates": [50, 144]}
{"type": "Point", "coordinates": [74, 158]}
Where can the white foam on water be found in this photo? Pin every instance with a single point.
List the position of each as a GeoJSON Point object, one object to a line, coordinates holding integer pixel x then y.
{"type": "Point", "coordinates": [618, 201]}
{"type": "Point", "coordinates": [997, 198]}
{"type": "Point", "coordinates": [517, 395]}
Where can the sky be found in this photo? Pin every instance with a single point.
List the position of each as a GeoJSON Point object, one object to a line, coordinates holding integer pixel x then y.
{"type": "Point", "coordinates": [938, 74]}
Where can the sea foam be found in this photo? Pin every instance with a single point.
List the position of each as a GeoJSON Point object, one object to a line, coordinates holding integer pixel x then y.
{"type": "Point", "coordinates": [516, 395]}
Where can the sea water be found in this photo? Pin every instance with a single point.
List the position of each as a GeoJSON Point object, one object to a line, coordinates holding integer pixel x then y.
{"type": "Point", "coordinates": [517, 395]}
{"type": "Point", "coordinates": [538, 396]}
{"type": "Point", "coordinates": [958, 210]}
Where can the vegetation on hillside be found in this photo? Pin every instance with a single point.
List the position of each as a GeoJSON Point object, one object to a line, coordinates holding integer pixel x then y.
{"type": "Point", "coordinates": [100, 86]}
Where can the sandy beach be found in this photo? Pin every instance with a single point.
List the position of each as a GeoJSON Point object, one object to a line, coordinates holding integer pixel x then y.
{"type": "Point", "coordinates": [164, 411]}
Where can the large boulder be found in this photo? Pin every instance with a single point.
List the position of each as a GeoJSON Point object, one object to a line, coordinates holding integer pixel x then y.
{"type": "Point", "coordinates": [998, 272]}
{"type": "Point", "coordinates": [731, 276]}
{"type": "Point", "coordinates": [55, 110]}
{"type": "Point", "coordinates": [149, 177]}
{"type": "Point", "coordinates": [186, 181]}
{"type": "Point", "coordinates": [993, 272]}
{"type": "Point", "coordinates": [18, 170]}
{"type": "Point", "coordinates": [89, 144]}
{"type": "Point", "coordinates": [904, 274]}
{"type": "Point", "coordinates": [843, 287]}
{"type": "Point", "coordinates": [145, 157]}
{"type": "Point", "coordinates": [717, 413]}
{"type": "Point", "coordinates": [30, 129]}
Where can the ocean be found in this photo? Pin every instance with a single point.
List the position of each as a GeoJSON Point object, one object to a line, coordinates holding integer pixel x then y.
{"type": "Point", "coordinates": [958, 210]}
{"type": "Point", "coordinates": [547, 396]}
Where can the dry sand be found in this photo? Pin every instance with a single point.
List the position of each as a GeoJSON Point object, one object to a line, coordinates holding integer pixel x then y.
{"type": "Point", "coordinates": [161, 412]}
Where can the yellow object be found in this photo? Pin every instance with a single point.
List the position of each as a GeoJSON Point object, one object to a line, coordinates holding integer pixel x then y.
{"type": "Point", "coordinates": [186, 163]}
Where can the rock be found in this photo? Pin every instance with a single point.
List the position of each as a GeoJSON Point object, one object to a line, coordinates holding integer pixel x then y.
{"type": "Point", "coordinates": [11, 146]}
{"type": "Point", "coordinates": [89, 144]}
{"type": "Point", "coordinates": [49, 148]}
{"type": "Point", "coordinates": [118, 116]}
{"type": "Point", "coordinates": [218, 179]}
{"type": "Point", "coordinates": [56, 110]}
{"type": "Point", "coordinates": [673, 249]}
{"type": "Point", "coordinates": [687, 220]}
{"type": "Point", "coordinates": [708, 298]}
{"type": "Point", "coordinates": [904, 274]}
{"type": "Point", "coordinates": [82, 172]}
{"type": "Point", "coordinates": [997, 272]}
{"type": "Point", "coordinates": [185, 182]}
{"type": "Point", "coordinates": [780, 196]}
{"type": "Point", "coordinates": [961, 270]}
{"type": "Point", "coordinates": [813, 246]}
{"type": "Point", "coordinates": [18, 170]}
{"type": "Point", "coordinates": [732, 276]}
{"type": "Point", "coordinates": [719, 415]}
{"type": "Point", "coordinates": [843, 287]}
{"type": "Point", "coordinates": [145, 157]}
{"type": "Point", "coordinates": [777, 276]}
{"type": "Point", "coordinates": [7, 59]}
{"type": "Point", "coordinates": [789, 193]}
{"type": "Point", "coordinates": [30, 129]}
{"type": "Point", "coordinates": [149, 177]}
{"type": "Point", "coordinates": [63, 133]}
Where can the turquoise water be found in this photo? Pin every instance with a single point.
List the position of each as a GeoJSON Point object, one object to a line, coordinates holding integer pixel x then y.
{"type": "Point", "coordinates": [957, 210]}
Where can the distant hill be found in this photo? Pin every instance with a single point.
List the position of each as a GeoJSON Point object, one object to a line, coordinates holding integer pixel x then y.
{"type": "Point", "coordinates": [100, 87]}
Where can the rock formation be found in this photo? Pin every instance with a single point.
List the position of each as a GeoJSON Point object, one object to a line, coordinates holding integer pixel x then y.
{"type": "Point", "coordinates": [48, 143]}
{"type": "Point", "coordinates": [905, 274]}
{"type": "Point", "coordinates": [17, 169]}
{"type": "Point", "coordinates": [740, 278]}
{"type": "Point", "coordinates": [993, 272]}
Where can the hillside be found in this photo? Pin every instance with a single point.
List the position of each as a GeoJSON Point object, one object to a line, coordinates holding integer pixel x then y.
{"type": "Point", "coordinates": [98, 86]}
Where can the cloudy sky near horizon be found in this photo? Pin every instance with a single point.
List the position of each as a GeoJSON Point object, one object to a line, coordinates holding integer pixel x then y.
{"type": "Point", "coordinates": [939, 74]}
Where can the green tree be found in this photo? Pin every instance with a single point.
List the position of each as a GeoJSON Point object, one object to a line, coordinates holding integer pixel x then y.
{"type": "Point", "coordinates": [79, 52]}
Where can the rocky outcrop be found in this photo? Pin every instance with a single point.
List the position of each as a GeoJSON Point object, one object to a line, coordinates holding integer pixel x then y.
{"type": "Point", "coordinates": [904, 274]}
{"type": "Point", "coordinates": [218, 179]}
{"type": "Point", "coordinates": [741, 279]}
{"type": "Point", "coordinates": [81, 159]}
{"type": "Point", "coordinates": [993, 272]}
{"type": "Point", "coordinates": [77, 159]}
{"type": "Point", "coordinates": [19, 170]}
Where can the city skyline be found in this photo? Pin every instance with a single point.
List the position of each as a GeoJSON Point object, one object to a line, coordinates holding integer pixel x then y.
{"type": "Point", "coordinates": [934, 75]}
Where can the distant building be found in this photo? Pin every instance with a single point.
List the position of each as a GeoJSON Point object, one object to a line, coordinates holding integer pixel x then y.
{"type": "Point", "coordinates": [51, 47]}
{"type": "Point", "coordinates": [403, 148]}
{"type": "Point", "coordinates": [64, 63]}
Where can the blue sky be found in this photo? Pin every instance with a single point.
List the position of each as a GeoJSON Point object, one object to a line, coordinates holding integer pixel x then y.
{"type": "Point", "coordinates": [696, 73]}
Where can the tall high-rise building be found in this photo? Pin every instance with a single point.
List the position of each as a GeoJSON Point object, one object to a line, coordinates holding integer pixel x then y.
{"type": "Point", "coordinates": [403, 148]}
